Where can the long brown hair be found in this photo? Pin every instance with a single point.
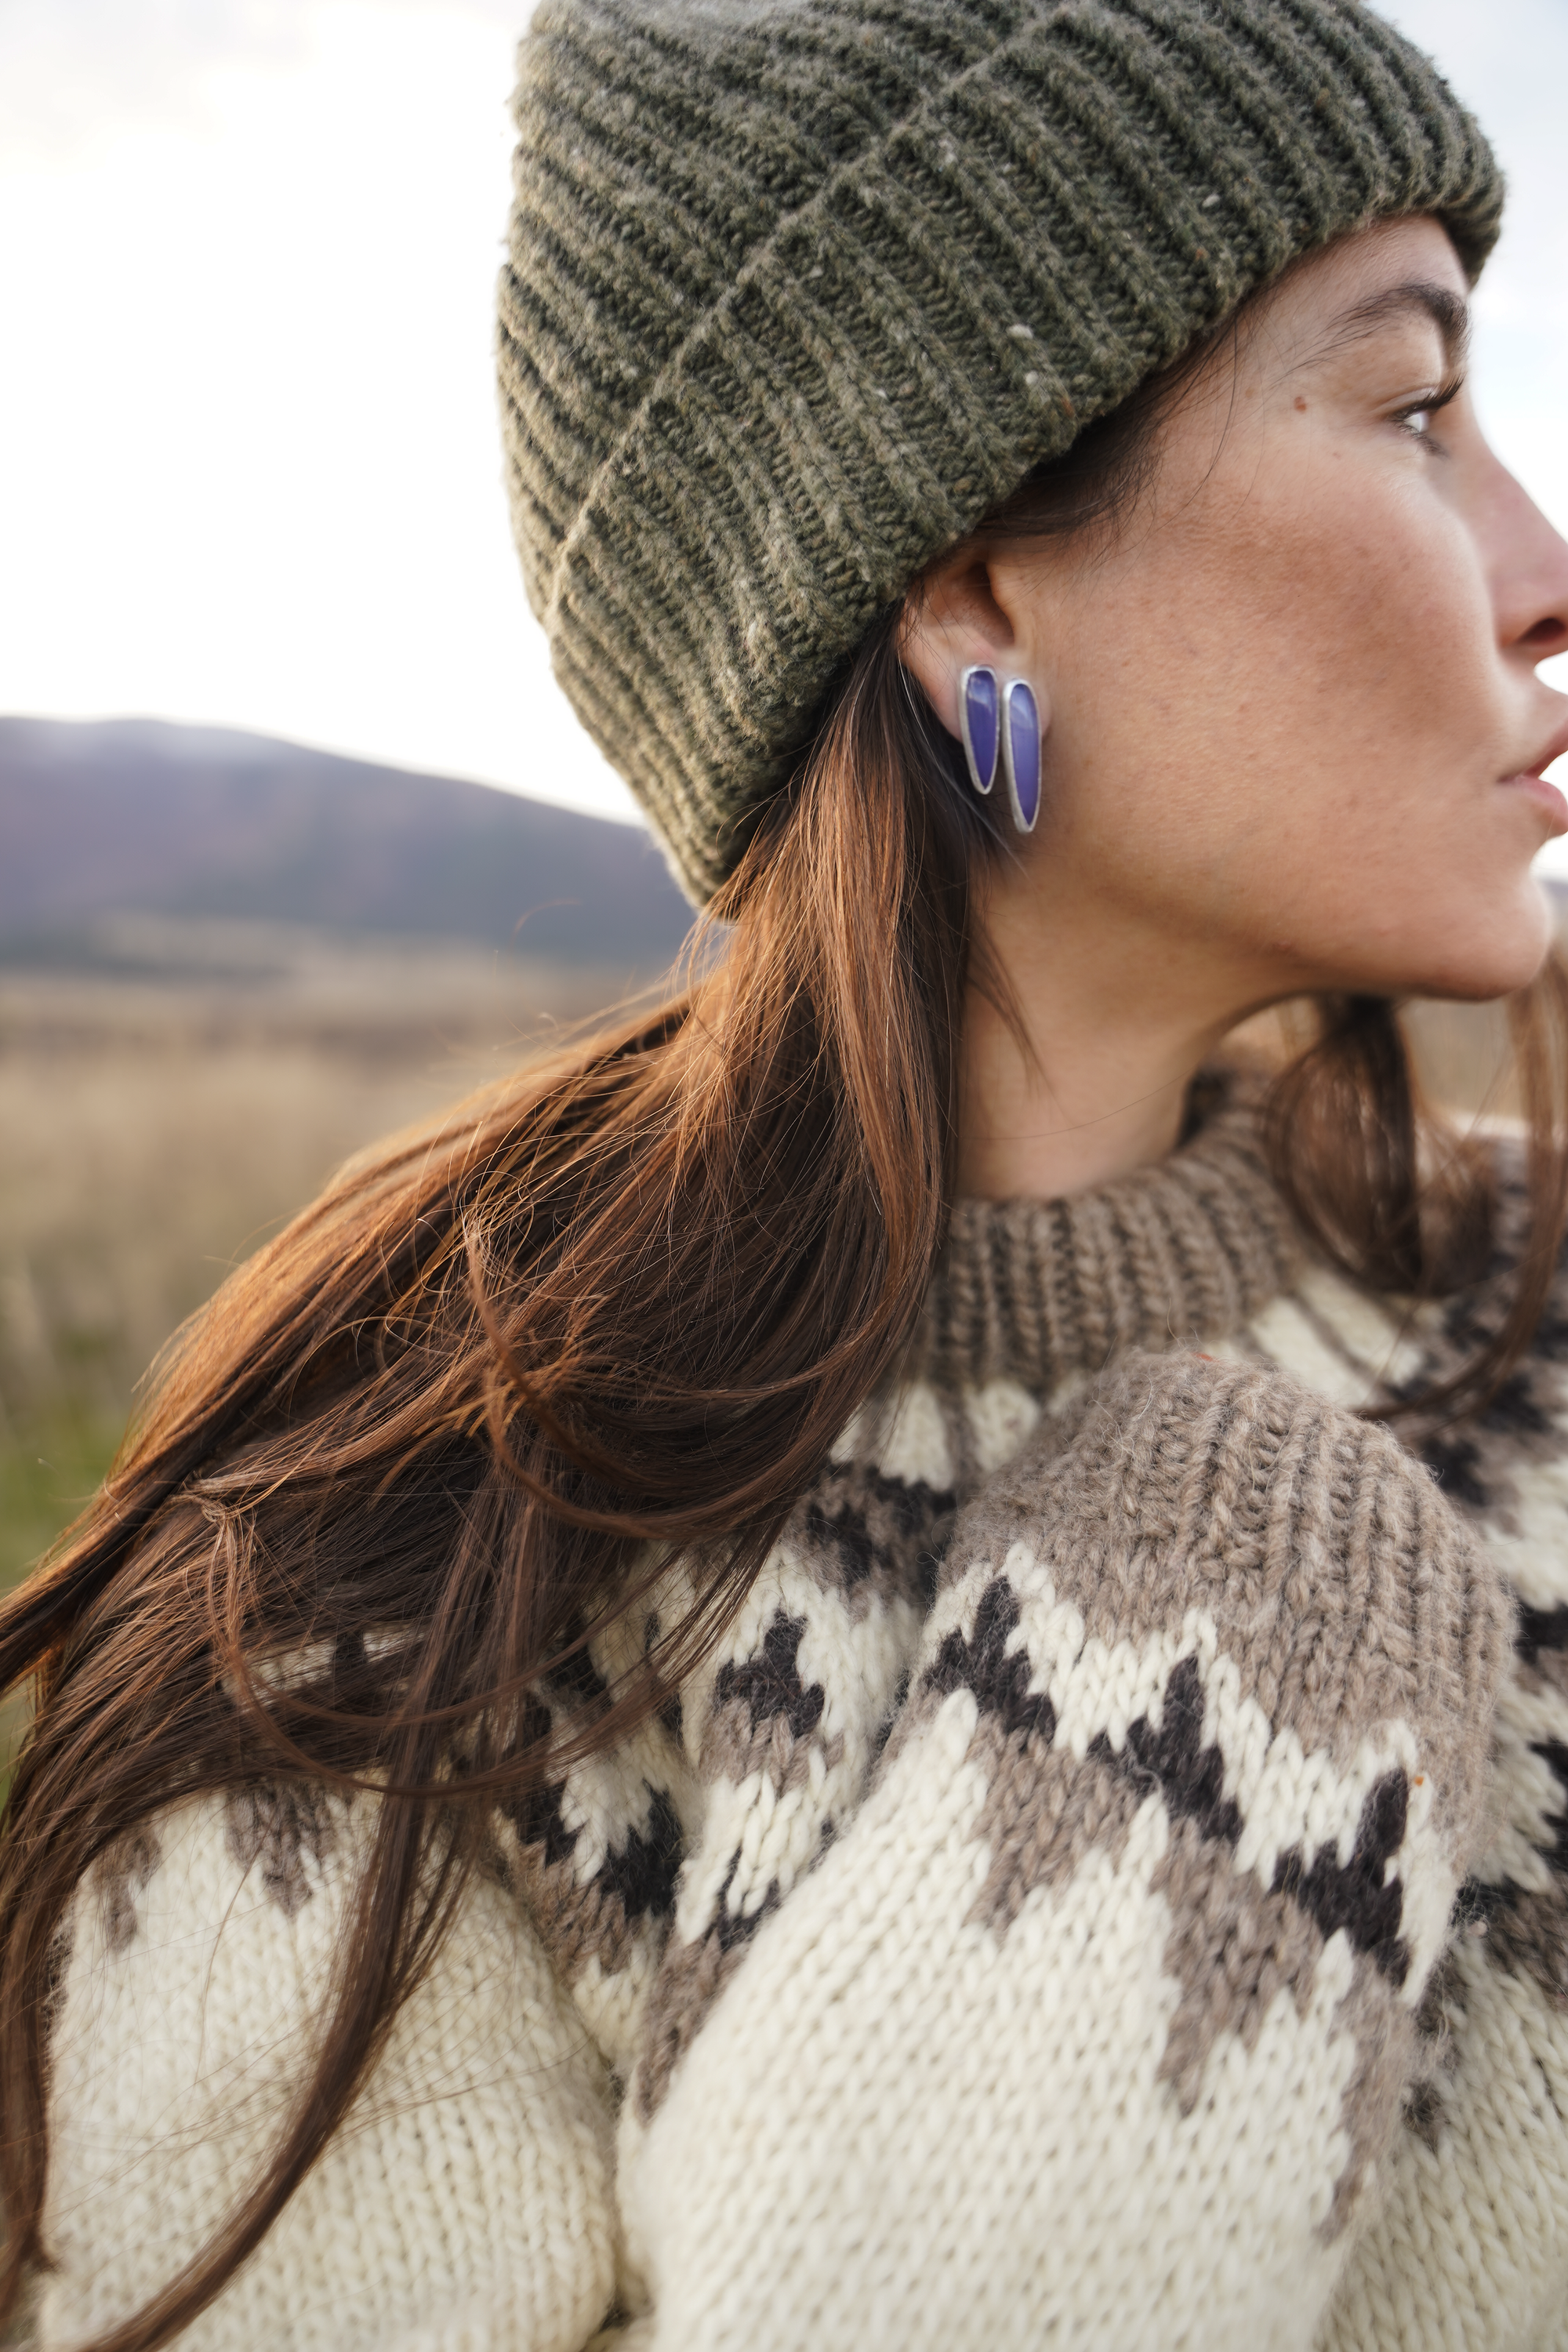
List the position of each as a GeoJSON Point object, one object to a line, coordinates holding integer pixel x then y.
{"type": "Point", "coordinates": [626, 1301]}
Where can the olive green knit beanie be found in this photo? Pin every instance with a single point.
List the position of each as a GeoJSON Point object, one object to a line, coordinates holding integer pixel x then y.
{"type": "Point", "coordinates": [798, 288]}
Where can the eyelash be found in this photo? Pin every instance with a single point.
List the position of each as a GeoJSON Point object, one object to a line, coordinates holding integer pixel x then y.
{"type": "Point", "coordinates": [1431, 406]}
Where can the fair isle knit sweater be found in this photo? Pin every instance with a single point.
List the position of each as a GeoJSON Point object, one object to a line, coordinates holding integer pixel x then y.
{"type": "Point", "coordinates": [1108, 1888]}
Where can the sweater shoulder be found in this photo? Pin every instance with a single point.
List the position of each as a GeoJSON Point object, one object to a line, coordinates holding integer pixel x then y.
{"type": "Point", "coordinates": [474, 2169]}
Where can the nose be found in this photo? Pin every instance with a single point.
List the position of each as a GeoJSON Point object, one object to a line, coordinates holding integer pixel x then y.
{"type": "Point", "coordinates": [1527, 563]}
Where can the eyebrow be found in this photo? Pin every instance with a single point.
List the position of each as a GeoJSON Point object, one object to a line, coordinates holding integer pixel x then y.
{"type": "Point", "coordinates": [1418, 298]}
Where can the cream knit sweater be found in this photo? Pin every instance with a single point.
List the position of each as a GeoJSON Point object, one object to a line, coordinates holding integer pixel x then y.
{"type": "Point", "coordinates": [1109, 1890]}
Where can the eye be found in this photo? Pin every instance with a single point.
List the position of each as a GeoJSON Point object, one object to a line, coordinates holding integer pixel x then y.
{"type": "Point", "coordinates": [1416, 419]}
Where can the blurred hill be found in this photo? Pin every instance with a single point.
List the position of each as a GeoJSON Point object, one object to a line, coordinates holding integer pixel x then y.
{"type": "Point", "coordinates": [226, 964]}
{"type": "Point", "coordinates": [140, 816]}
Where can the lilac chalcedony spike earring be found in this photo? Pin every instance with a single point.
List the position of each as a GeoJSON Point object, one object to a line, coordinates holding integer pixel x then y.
{"type": "Point", "coordinates": [1002, 728]}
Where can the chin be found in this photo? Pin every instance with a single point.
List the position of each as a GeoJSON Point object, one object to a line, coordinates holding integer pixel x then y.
{"type": "Point", "coordinates": [1457, 950]}
{"type": "Point", "coordinates": [1507, 957]}
{"type": "Point", "coordinates": [1484, 946]}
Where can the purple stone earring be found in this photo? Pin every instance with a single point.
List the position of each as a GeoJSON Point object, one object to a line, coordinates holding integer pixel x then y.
{"type": "Point", "coordinates": [978, 712]}
{"type": "Point", "coordinates": [1021, 751]}
{"type": "Point", "coordinates": [1005, 724]}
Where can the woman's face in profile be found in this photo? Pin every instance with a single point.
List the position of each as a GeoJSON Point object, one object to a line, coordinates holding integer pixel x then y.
{"type": "Point", "coordinates": [1294, 714]}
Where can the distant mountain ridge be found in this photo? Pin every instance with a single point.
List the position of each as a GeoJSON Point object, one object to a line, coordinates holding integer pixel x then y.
{"type": "Point", "coordinates": [115, 816]}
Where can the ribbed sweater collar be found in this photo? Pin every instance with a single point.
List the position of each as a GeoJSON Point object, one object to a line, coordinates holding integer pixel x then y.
{"type": "Point", "coordinates": [1187, 1249]}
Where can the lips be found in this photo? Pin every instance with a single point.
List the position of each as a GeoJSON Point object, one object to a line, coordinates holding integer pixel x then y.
{"type": "Point", "coordinates": [1546, 797]}
{"type": "Point", "coordinates": [1551, 803]}
{"type": "Point", "coordinates": [1531, 782]}
{"type": "Point", "coordinates": [1535, 768]}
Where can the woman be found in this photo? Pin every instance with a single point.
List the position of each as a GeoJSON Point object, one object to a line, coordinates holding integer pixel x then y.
{"type": "Point", "coordinates": [804, 1681]}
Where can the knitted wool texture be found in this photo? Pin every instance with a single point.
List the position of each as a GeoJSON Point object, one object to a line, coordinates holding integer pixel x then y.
{"type": "Point", "coordinates": [798, 288]}
{"type": "Point", "coordinates": [1035, 1923]}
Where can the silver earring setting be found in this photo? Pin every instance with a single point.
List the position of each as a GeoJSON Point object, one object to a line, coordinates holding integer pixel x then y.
{"type": "Point", "coordinates": [1002, 728]}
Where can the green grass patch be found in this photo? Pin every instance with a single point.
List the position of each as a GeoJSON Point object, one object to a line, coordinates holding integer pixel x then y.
{"type": "Point", "coordinates": [49, 1467]}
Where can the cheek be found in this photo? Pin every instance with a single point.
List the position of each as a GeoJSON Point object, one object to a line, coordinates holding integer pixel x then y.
{"type": "Point", "coordinates": [1288, 681]}
{"type": "Point", "coordinates": [1364, 644]}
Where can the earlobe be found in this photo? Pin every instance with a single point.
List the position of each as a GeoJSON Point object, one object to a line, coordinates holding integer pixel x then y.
{"type": "Point", "coordinates": [952, 624]}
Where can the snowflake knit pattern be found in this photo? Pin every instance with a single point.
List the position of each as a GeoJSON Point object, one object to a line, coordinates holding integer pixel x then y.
{"type": "Point", "coordinates": [1110, 1887]}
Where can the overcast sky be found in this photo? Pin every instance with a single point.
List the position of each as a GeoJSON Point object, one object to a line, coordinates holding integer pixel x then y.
{"type": "Point", "coordinates": [249, 455]}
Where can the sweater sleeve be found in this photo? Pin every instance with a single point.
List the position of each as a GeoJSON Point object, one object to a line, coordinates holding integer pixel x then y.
{"type": "Point", "coordinates": [1468, 2249]}
{"type": "Point", "coordinates": [1093, 2026]}
{"type": "Point", "coordinates": [465, 2206]}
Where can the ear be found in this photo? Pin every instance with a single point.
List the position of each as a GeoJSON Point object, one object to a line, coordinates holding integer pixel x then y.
{"type": "Point", "coordinates": [953, 621]}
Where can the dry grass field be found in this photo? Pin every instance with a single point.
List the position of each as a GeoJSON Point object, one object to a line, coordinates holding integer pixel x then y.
{"type": "Point", "coordinates": [167, 1108]}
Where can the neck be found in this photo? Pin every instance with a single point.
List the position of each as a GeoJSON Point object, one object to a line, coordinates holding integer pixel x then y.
{"type": "Point", "coordinates": [1112, 1031]}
